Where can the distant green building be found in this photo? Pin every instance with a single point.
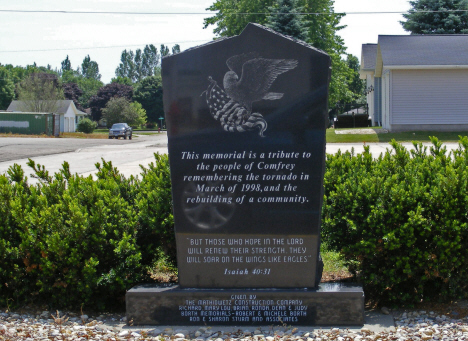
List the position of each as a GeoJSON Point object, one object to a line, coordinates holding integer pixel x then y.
{"type": "Point", "coordinates": [67, 120]}
{"type": "Point", "coordinates": [28, 123]}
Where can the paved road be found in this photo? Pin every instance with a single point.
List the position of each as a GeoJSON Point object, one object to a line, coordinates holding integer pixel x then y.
{"type": "Point", "coordinates": [81, 154]}
{"type": "Point", "coordinates": [126, 155]}
{"type": "Point", "coordinates": [16, 148]}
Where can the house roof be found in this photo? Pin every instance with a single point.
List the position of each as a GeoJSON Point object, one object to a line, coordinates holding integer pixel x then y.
{"type": "Point", "coordinates": [368, 56]}
{"type": "Point", "coordinates": [415, 52]}
{"type": "Point", "coordinates": [447, 49]}
{"type": "Point", "coordinates": [62, 105]}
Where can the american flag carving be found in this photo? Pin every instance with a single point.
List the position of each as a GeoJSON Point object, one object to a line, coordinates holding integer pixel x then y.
{"type": "Point", "coordinates": [232, 107]}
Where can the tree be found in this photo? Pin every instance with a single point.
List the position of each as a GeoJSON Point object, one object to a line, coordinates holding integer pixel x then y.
{"type": "Point", "coordinates": [437, 17]}
{"type": "Point", "coordinates": [72, 91]}
{"type": "Point", "coordinates": [99, 101]}
{"type": "Point", "coordinates": [150, 60]}
{"type": "Point", "coordinates": [88, 86]}
{"type": "Point", "coordinates": [19, 73]}
{"type": "Point", "coordinates": [356, 84]}
{"type": "Point", "coordinates": [126, 68]}
{"type": "Point", "coordinates": [227, 20]}
{"type": "Point", "coordinates": [321, 32]}
{"type": "Point", "coordinates": [122, 80]}
{"type": "Point", "coordinates": [40, 93]}
{"type": "Point", "coordinates": [137, 115]}
{"type": "Point", "coordinates": [90, 69]}
{"type": "Point", "coordinates": [7, 88]}
{"type": "Point", "coordinates": [114, 111]}
{"type": "Point", "coordinates": [11, 77]}
{"type": "Point", "coordinates": [176, 49]}
{"type": "Point", "coordinates": [66, 65]}
{"type": "Point", "coordinates": [149, 93]}
{"type": "Point", "coordinates": [120, 109]}
{"type": "Point", "coordinates": [164, 50]}
{"type": "Point", "coordinates": [284, 19]}
{"type": "Point", "coordinates": [339, 91]}
{"type": "Point", "coordinates": [137, 62]}
{"type": "Point", "coordinates": [138, 65]}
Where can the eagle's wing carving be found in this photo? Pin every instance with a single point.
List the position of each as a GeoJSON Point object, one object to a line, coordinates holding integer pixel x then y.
{"type": "Point", "coordinates": [236, 62]}
{"type": "Point", "coordinates": [259, 74]}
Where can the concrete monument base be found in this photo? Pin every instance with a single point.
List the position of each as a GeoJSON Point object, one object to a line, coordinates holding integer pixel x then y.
{"type": "Point", "coordinates": [331, 304]}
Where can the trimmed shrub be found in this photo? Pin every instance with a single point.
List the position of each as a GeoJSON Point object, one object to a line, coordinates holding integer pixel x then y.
{"type": "Point", "coordinates": [154, 204]}
{"type": "Point", "coordinates": [12, 279]}
{"type": "Point", "coordinates": [400, 221]}
{"type": "Point", "coordinates": [150, 125]}
{"type": "Point", "coordinates": [86, 126]}
{"type": "Point", "coordinates": [72, 240]}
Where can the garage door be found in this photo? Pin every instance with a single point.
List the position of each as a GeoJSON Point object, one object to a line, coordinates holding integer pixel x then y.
{"type": "Point", "coordinates": [429, 97]}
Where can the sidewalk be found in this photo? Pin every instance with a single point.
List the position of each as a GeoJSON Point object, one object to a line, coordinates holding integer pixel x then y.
{"type": "Point", "coordinates": [377, 148]}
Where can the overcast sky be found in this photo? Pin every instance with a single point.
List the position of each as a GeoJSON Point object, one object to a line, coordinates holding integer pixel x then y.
{"type": "Point", "coordinates": [47, 38]}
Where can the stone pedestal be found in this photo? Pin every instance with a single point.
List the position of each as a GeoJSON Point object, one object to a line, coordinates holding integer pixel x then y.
{"type": "Point", "coordinates": [329, 304]}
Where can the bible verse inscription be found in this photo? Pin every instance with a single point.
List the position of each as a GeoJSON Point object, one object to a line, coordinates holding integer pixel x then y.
{"type": "Point", "coordinates": [243, 251]}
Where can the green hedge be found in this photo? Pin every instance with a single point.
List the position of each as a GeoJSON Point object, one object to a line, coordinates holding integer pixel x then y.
{"type": "Point", "coordinates": [400, 221]}
{"type": "Point", "coordinates": [72, 240]}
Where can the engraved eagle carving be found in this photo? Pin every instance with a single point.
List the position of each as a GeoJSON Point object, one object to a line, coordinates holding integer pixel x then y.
{"type": "Point", "coordinates": [248, 81]}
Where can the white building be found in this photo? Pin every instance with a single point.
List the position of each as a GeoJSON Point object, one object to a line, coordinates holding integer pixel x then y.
{"type": "Point", "coordinates": [417, 82]}
{"type": "Point", "coordinates": [69, 114]}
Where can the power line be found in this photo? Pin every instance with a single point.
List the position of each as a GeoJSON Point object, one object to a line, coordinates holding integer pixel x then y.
{"type": "Point", "coordinates": [211, 13]}
{"type": "Point", "coordinates": [102, 12]}
{"type": "Point", "coordinates": [100, 47]}
{"type": "Point", "coordinates": [352, 13]}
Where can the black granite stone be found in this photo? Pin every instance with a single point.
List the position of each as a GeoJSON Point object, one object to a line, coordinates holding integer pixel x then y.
{"type": "Point", "coordinates": [246, 120]}
{"type": "Point", "coordinates": [330, 304]}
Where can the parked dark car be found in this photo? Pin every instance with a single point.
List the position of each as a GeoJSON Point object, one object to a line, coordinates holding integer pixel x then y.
{"type": "Point", "coordinates": [120, 130]}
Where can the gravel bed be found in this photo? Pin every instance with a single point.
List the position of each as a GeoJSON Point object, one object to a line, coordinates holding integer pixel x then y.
{"type": "Point", "coordinates": [410, 326]}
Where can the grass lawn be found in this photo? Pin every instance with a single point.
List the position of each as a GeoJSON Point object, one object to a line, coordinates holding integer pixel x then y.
{"type": "Point", "coordinates": [135, 131]}
{"type": "Point", "coordinates": [333, 266]}
{"type": "Point", "coordinates": [145, 133]}
{"type": "Point", "coordinates": [332, 261]}
{"type": "Point", "coordinates": [422, 136]}
{"type": "Point", "coordinates": [23, 135]}
{"type": "Point", "coordinates": [95, 135]}
{"type": "Point", "coordinates": [105, 130]}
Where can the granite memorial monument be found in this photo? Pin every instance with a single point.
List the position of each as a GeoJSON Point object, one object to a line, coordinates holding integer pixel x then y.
{"type": "Point", "coordinates": [246, 120]}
